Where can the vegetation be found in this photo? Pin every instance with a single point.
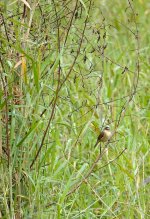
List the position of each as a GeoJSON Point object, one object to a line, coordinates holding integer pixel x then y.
{"type": "Point", "coordinates": [68, 69]}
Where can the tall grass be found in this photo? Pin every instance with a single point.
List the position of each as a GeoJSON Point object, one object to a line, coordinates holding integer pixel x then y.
{"type": "Point", "coordinates": [68, 68]}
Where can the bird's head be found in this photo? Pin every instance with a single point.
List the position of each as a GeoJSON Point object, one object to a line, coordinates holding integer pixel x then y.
{"type": "Point", "coordinates": [107, 128]}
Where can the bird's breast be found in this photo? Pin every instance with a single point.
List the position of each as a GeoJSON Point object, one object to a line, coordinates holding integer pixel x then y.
{"type": "Point", "coordinates": [107, 135]}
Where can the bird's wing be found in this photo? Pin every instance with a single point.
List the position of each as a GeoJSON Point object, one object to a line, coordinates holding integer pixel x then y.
{"type": "Point", "coordinates": [99, 138]}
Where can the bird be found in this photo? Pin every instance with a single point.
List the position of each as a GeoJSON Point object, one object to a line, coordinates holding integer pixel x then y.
{"type": "Point", "coordinates": [104, 136]}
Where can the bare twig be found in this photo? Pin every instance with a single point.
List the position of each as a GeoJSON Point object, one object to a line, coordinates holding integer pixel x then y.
{"type": "Point", "coordinates": [59, 86]}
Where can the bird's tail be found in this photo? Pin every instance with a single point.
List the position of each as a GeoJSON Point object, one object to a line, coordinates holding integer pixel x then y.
{"type": "Point", "coordinates": [99, 147]}
{"type": "Point", "coordinates": [96, 144]}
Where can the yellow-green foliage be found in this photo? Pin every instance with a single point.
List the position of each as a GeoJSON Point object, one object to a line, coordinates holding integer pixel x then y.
{"type": "Point", "coordinates": [68, 68]}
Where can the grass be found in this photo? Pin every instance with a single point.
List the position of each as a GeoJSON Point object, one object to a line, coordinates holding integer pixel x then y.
{"type": "Point", "coordinates": [67, 69]}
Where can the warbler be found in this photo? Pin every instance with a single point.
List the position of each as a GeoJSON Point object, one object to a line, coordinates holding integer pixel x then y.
{"type": "Point", "coordinates": [104, 136]}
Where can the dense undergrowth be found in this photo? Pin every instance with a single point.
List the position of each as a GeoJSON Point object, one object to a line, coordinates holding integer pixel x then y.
{"type": "Point", "coordinates": [68, 68]}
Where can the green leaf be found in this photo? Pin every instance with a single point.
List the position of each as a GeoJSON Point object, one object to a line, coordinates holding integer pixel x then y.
{"type": "Point", "coordinates": [36, 75]}
{"type": "Point", "coordinates": [34, 126]}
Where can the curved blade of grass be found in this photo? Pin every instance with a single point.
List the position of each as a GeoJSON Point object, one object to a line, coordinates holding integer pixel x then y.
{"type": "Point", "coordinates": [34, 126]}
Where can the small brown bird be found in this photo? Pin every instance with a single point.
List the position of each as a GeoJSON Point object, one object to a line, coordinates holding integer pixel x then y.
{"type": "Point", "coordinates": [104, 136]}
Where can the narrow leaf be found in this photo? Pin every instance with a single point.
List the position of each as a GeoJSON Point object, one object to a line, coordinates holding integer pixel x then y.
{"type": "Point", "coordinates": [34, 126]}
